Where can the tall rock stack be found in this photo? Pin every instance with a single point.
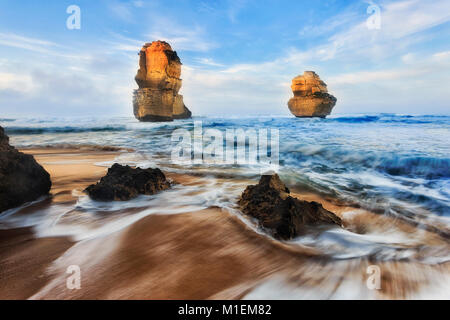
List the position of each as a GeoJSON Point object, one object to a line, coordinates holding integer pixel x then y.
{"type": "Point", "coordinates": [311, 97]}
{"type": "Point", "coordinates": [159, 82]}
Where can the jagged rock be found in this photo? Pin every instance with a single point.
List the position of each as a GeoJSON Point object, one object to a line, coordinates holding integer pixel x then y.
{"type": "Point", "coordinates": [159, 82]}
{"type": "Point", "coordinates": [22, 179]}
{"type": "Point", "coordinates": [311, 97]}
{"type": "Point", "coordinates": [270, 203]}
{"type": "Point", "coordinates": [123, 183]}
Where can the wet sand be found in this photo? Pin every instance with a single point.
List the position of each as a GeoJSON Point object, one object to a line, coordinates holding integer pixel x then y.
{"type": "Point", "coordinates": [24, 261]}
{"type": "Point", "coordinates": [207, 254]}
{"type": "Point", "coordinates": [71, 169]}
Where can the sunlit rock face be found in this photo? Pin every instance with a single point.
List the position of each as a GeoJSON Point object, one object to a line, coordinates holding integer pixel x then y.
{"type": "Point", "coordinates": [159, 82]}
{"type": "Point", "coordinates": [311, 97]}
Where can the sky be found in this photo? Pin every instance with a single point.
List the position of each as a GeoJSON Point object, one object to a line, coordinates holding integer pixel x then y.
{"type": "Point", "coordinates": [239, 56]}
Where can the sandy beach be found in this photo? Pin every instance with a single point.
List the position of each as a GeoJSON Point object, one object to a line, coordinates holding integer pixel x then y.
{"type": "Point", "coordinates": [24, 259]}
{"type": "Point", "coordinates": [204, 254]}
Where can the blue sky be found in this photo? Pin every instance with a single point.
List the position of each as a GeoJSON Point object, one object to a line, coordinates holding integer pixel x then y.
{"type": "Point", "coordinates": [238, 56]}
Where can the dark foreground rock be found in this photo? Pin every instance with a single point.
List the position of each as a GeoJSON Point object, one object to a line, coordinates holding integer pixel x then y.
{"type": "Point", "coordinates": [123, 183]}
{"type": "Point", "coordinates": [22, 179]}
{"type": "Point", "coordinates": [270, 203]}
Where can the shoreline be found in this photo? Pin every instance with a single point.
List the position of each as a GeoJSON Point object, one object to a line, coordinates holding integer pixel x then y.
{"type": "Point", "coordinates": [206, 254]}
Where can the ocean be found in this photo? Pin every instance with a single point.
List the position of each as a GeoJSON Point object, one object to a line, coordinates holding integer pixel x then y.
{"type": "Point", "coordinates": [391, 164]}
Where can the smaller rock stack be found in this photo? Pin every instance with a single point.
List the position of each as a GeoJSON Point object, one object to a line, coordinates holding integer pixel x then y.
{"type": "Point", "coordinates": [311, 98]}
{"type": "Point", "coordinates": [158, 78]}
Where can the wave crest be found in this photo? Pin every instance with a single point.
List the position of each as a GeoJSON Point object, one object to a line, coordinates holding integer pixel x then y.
{"type": "Point", "coordinates": [65, 129]}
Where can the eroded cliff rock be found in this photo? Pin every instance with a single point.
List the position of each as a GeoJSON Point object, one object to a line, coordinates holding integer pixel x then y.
{"type": "Point", "coordinates": [123, 183]}
{"type": "Point", "coordinates": [284, 216]}
{"type": "Point", "coordinates": [22, 179]}
{"type": "Point", "coordinates": [311, 97]}
{"type": "Point", "coordinates": [159, 82]}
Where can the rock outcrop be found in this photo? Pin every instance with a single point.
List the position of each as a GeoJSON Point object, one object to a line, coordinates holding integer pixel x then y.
{"type": "Point", "coordinates": [123, 183]}
{"type": "Point", "coordinates": [159, 82]}
{"type": "Point", "coordinates": [284, 216]}
{"type": "Point", "coordinates": [22, 179]}
{"type": "Point", "coordinates": [311, 97]}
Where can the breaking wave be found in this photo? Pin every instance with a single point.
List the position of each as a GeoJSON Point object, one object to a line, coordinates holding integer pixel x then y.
{"type": "Point", "coordinates": [396, 164]}
{"type": "Point", "coordinates": [67, 129]}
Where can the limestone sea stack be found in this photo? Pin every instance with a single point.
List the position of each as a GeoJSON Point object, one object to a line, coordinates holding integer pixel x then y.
{"type": "Point", "coordinates": [159, 82]}
{"type": "Point", "coordinates": [311, 97]}
{"type": "Point", "coordinates": [22, 179]}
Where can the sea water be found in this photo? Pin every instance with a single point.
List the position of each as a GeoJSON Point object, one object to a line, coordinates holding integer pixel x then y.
{"type": "Point", "coordinates": [391, 164]}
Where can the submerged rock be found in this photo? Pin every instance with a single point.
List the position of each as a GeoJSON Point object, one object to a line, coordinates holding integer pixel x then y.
{"type": "Point", "coordinates": [270, 203]}
{"type": "Point", "coordinates": [159, 82]}
{"type": "Point", "coordinates": [22, 179]}
{"type": "Point", "coordinates": [123, 183]}
{"type": "Point", "coordinates": [311, 97]}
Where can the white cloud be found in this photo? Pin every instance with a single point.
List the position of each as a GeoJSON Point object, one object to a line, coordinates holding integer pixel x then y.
{"type": "Point", "coordinates": [215, 93]}
{"type": "Point", "coordinates": [91, 81]}
{"type": "Point", "coordinates": [399, 20]}
{"type": "Point", "coordinates": [121, 10]}
{"type": "Point", "coordinates": [45, 47]}
{"type": "Point", "coordinates": [16, 82]}
{"type": "Point", "coordinates": [122, 43]}
{"type": "Point", "coordinates": [21, 42]}
{"type": "Point", "coordinates": [442, 56]}
{"type": "Point", "coordinates": [409, 58]}
{"type": "Point", "coordinates": [138, 3]}
{"type": "Point", "coordinates": [375, 76]}
{"type": "Point", "coordinates": [234, 8]}
{"type": "Point", "coordinates": [182, 38]}
{"type": "Point", "coordinates": [335, 22]}
{"type": "Point", "coordinates": [404, 18]}
{"type": "Point", "coordinates": [209, 62]}
{"type": "Point", "coordinates": [411, 88]}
